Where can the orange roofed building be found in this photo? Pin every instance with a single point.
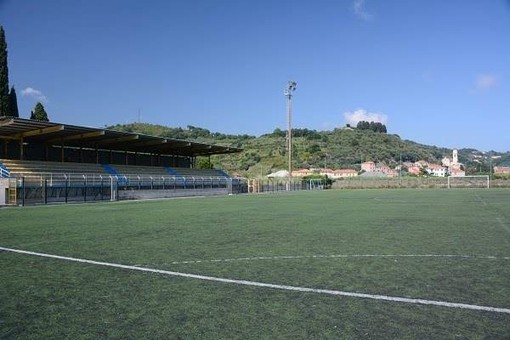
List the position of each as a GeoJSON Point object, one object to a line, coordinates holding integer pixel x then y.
{"type": "Point", "coordinates": [339, 173]}
{"type": "Point", "coordinates": [502, 170]}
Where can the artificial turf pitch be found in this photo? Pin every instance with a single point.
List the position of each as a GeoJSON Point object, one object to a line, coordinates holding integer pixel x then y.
{"type": "Point", "coordinates": [441, 245]}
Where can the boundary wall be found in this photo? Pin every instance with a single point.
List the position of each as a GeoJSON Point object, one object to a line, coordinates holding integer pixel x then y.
{"type": "Point", "coordinates": [406, 182]}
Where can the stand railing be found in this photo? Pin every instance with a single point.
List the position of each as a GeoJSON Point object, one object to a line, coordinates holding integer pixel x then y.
{"type": "Point", "coordinates": [46, 188]}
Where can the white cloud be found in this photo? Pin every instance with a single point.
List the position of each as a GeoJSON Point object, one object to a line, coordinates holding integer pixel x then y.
{"type": "Point", "coordinates": [354, 117]}
{"type": "Point", "coordinates": [36, 94]}
{"type": "Point", "coordinates": [358, 7]}
{"type": "Point", "coordinates": [485, 82]}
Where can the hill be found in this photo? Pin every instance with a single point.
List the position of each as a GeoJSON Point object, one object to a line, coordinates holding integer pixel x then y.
{"type": "Point", "coordinates": [339, 148]}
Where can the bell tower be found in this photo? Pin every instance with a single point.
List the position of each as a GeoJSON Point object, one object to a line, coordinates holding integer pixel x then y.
{"type": "Point", "coordinates": [455, 157]}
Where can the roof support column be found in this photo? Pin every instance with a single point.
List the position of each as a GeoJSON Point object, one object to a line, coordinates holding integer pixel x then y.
{"type": "Point", "coordinates": [97, 155]}
{"type": "Point", "coordinates": [21, 149]}
{"type": "Point", "coordinates": [46, 155]}
{"type": "Point", "coordinates": [62, 151]}
{"type": "Point", "coordinates": [5, 149]}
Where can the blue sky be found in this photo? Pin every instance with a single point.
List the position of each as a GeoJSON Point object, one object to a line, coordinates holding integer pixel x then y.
{"type": "Point", "coordinates": [434, 71]}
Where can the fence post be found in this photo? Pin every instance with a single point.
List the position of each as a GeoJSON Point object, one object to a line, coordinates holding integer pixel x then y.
{"type": "Point", "coordinates": [113, 188]}
{"type": "Point", "coordinates": [23, 191]}
{"type": "Point", "coordinates": [102, 198]}
{"type": "Point", "coordinates": [66, 188]}
{"type": "Point", "coordinates": [84, 189]}
{"type": "Point", "coordinates": [45, 191]}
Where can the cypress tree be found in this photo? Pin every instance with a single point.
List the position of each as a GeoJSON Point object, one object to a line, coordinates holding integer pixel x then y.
{"type": "Point", "coordinates": [39, 113]}
{"type": "Point", "coordinates": [13, 104]}
{"type": "Point", "coordinates": [4, 76]}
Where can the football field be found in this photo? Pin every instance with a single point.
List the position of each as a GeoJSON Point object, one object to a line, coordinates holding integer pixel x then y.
{"type": "Point", "coordinates": [369, 264]}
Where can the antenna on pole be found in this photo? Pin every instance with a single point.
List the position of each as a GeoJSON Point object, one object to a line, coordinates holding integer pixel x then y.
{"type": "Point", "coordinates": [291, 87]}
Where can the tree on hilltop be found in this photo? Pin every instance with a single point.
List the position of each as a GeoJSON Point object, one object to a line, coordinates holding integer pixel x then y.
{"type": "Point", "coordinates": [372, 126]}
{"type": "Point", "coordinates": [4, 76]}
{"type": "Point", "coordinates": [39, 113]}
{"type": "Point", "coordinates": [13, 104]}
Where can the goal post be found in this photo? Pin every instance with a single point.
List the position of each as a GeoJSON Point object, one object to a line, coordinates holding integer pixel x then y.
{"type": "Point", "coordinates": [476, 181]}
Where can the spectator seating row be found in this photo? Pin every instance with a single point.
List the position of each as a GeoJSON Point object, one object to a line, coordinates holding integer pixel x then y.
{"type": "Point", "coordinates": [21, 168]}
{"type": "Point", "coordinates": [3, 171]}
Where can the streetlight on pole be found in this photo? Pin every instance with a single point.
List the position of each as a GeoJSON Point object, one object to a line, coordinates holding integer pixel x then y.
{"type": "Point", "coordinates": [291, 87]}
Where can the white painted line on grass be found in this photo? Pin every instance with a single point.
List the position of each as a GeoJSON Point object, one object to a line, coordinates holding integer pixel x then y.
{"type": "Point", "coordinates": [481, 200]}
{"type": "Point", "coordinates": [337, 256]}
{"type": "Point", "coordinates": [268, 285]}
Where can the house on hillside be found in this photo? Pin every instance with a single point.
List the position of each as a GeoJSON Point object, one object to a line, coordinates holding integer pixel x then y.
{"type": "Point", "coordinates": [501, 170]}
{"type": "Point", "coordinates": [372, 168]}
{"type": "Point", "coordinates": [421, 163]}
{"type": "Point", "coordinates": [368, 166]}
{"type": "Point", "coordinates": [413, 168]}
{"type": "Point", "coordinates": [457, 171]}
{"type": "Point", "coordinates": [344, 173]}
{"type": "Point", "coordinates": [302, 172]}
{"type": "Point", "coordinates": [437, 170]}
{"type": "Point", "coordinates": [339, 173]}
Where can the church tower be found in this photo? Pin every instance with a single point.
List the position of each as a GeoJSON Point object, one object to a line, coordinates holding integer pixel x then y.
{"type": "Point", "coordinates": [455, 157]}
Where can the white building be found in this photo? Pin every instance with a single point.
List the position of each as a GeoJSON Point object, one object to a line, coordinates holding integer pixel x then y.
{"type": "Point", "coordinates": [437, 170]}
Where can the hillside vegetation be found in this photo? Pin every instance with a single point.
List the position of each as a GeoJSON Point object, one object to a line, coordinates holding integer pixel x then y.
{"type": "Point", "coordinates": [337, 149]}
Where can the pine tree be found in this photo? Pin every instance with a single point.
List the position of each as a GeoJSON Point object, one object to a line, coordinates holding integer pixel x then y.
{"type": "Point", "coordinates": [4, 76]}
{"type": "Point", "coordinates": [39, 113]}
{"type": "Point", "coordinates": [13, 104]}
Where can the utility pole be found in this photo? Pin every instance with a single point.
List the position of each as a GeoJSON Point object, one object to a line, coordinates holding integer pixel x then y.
{"type": "Point", "coordinates": [291, 87]}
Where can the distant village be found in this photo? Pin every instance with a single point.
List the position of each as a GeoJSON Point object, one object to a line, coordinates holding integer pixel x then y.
{"type": "Point", "coordinates": [448, 167]}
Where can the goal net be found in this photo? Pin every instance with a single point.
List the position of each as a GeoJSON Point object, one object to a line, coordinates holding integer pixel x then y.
{"type": "Point", "coordinates": [479, 181]}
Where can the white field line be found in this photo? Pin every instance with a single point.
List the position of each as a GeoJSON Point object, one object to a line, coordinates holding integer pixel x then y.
{"type": "Point", "coordinates": [481, 200]}
{"type": "Point", "coordinates": [297, 257]}
{"type": "Point", "coordinates": [499, 219]}
{"type": "Point", "coordinates": [269, 285]}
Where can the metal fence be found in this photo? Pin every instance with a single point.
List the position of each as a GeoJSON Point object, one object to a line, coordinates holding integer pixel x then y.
{"type": "Point", "coordinates": [47, 188]}
{"type": "Point", "coordinates": [413, 182]}
{"type": "Point", "coordinates": [278, 184]}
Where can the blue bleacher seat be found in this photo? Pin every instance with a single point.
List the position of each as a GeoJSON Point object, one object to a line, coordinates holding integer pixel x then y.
{"type": "Point", "coordinates": [222, 173]}
{"type": "Point", "coordinates": [4, 172]}
{"type": "Point", "coordinates": [171, 171]}
{"type": "Point", "coordinates": [112, 171]}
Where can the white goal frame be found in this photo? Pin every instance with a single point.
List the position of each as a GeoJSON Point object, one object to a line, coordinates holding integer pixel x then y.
{"type": "Point", "coordinates": [486, 177]}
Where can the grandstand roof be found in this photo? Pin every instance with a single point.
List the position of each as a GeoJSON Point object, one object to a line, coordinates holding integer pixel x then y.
{"type": "Point", "coordinates": [96, 138]}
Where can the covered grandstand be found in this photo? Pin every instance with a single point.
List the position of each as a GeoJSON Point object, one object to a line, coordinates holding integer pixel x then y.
{"type": "Point", "coordinates": [45, 162]}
